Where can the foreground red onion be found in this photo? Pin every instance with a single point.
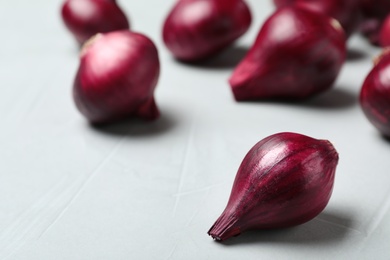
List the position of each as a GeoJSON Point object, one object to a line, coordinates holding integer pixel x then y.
{"type": "Point", "coordinates": [298, 53]}
{"type": "Point", "coordinates": [347, 12]}
{"type": "Point", "coordinates": [85, 18]}
{"type": "Point", "coordinates": [285, 180]}
{"type": "Point", "coordinates": [117, 76]}
{"type": "Point", "coordinates": [375, 94]}
{"type": "Point", "coordinates": [198, 29]}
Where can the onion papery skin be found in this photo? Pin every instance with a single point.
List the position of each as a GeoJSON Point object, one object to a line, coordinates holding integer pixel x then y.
{"type": "Point", "coordinates": [117, 77]}
{"type": "Point", "coordinates": [285, 180]}
{"type": "Point", "coordinates": [297, 54]}
{"type": "Point", "coordinates": [196, 30]}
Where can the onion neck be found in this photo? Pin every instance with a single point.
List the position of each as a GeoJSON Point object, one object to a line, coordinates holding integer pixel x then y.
{"type": "Point", "coordinates": [225, 227]}
{"type": "Point", "coordinates": [89, 43]}
{"type": "Point", "coordinates": [336, 25]}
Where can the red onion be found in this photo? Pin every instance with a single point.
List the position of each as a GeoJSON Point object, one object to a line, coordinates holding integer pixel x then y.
{"type": "Point", "coordinates": [384, 36]}
{"type": "Point", "coordinates": [117, 76]}
{"type": "Point", "coordinates": [85, 18]}
{"type": "Point", "coordinates": [283, 3]}
{"type": "Point", "coordinates": [347, 12]}
{"type": "Point", "coordinates": [285, 180]}
{"type": "Point", "coordinates": [375, 94]}
{"type": "Point", "coordinates": [298, 53]}
{"type": "Point", "coordinates": [198, 29]}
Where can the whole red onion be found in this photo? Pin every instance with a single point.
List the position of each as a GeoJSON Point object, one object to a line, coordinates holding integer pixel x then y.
{"type": "Point", "coordinates": [283, 3]}
{"type": "Point", "coordinates": [198, 29]}
{"type": "Point", "coordinates": [375, 94]}
{"type": "Point", "coordinates": [285, 180]}
{"type": "Point", "coordinates": [347, 12]}
{"type": "Point", "coordinates": [85, 18]}
{"type": "Point", "coordinates": [117, 76]}
{"type": "Point", "coordinates": [297, 54]}
{"type": "Point", "coordinates": [384, 35]}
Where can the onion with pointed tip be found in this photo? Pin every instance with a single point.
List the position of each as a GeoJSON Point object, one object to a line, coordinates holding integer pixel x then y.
{"type": "Point", "coordinates": [286, 179]}
{"type": "Point", "coordinates": [297, 54]}
{"type": "Point", "coordinates": [116, 78]}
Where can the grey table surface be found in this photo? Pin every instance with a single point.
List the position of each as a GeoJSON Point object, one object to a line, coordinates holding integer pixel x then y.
{"type": "Point", "coordinates": [152, 190]}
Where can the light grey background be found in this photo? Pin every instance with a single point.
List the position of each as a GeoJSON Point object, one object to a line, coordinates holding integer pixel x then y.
{"type": "Point", "coordinates": [151, 191]}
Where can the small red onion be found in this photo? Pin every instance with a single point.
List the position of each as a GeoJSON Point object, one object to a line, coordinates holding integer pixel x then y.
{"type": "Point", "coordinates": [375, 94]}
{"type": "Point", "coordinates": [384, 35]}
{"type": "Point", "coordinates": [347, 12]}
{"type": "Point", "coordinates": [117, 76]}
{"type": "Point", "coordinates": [283, 3]}
{"type": "Point", "coordinates": [85, 18]}
{"type": "Point", "coordinates": [285, 180]}
{"type": "Point", "coordinates": [297, 54]}
{"type": "Point", "coordinates": [197, 29]}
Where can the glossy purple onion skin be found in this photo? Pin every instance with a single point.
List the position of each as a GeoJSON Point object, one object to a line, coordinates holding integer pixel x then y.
{"type": "Point", "coordinates": [85, 18]}
{"type": "Point", "coordinates": [347, 12]}
{"type": "Point", "coordinates": [283, 3]}
{"type": "Point", "coordinates": [117, 77]}
{"type": "Point", "coordinates": [297, 54]}
{"type": "Point", "coordinates": [285, 180]}
{"type": "Point", "coordinates": [198, 29]}
{"type": "Point", "coordinates": [375, 95]}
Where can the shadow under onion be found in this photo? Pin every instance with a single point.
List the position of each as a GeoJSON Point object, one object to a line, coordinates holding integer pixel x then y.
{"type": "Point", "coordinates": [354, 54]}
{"type": "Point", "coordinates": [326, 228]}
{"type": "Point", "coordinates": [335, 98]}
{"type": "Point", "coordinates": [227, 59]}
{"type": "Point", "coordinates": [137, 127]}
